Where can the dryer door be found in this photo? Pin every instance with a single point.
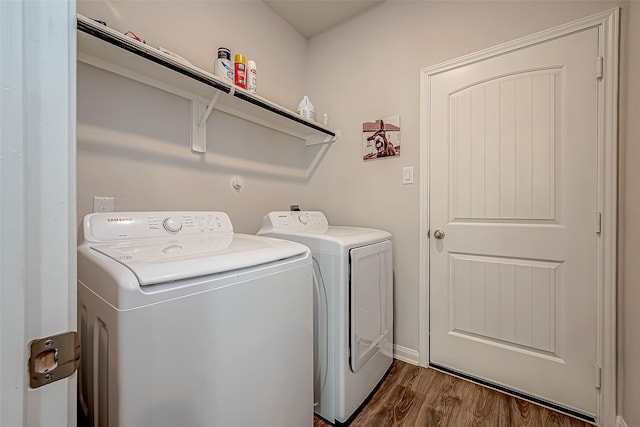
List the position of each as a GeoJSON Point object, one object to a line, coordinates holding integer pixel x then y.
{"type": "Point", "coordinates": [371, 283]}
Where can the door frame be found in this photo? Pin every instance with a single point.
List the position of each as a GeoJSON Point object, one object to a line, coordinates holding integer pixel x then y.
{"type": "Point", "coordinates": [607, 23]}
{"type": "Point", "coordinates": [37, 194]}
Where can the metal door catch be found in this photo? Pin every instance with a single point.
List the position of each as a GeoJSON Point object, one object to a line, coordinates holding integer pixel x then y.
{"type": "Point", "coordinates": [53, 358]}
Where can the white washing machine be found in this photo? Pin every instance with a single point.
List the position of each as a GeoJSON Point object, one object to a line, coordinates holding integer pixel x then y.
{"type": "Point", "coordinates": [353, 307]}
{"type": "Point", "coordinates": [185, 323]}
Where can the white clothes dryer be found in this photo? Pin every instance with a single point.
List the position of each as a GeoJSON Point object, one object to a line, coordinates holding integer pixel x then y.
{"type": "Point", "coordinates": [353, 307]}
{"type": "Point", "coordinates": [185, 323]}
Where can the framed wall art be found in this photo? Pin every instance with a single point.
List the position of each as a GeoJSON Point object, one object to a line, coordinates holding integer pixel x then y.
{"type": "Point", "coordinates": [381, 138]}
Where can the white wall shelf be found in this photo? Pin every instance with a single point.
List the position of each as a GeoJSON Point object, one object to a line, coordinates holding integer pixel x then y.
{"type": "Point", "coordinates": [109, 49]}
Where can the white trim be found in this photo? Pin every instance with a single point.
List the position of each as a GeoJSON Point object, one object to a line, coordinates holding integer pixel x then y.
{"type": "Point", "coordinates": [607, 23]}
{"type": "Point", "coordinates": [423, 274]}
{"type": "Point", "coordinates": [37, 195]}
{"type": "Point", "coordinates": [608, 132]}
{"type": "Point", "coordinates": [620, 422]}
{"type": "Point", "coordinates": [598, 20]}
{"type": "Point", "coordinates": [13, 262]}
{"type": "Point", "coordinates": [405, 354]}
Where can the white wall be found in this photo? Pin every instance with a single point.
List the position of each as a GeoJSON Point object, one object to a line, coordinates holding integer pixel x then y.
{"type": "Point", "coordinates": [133, 139]}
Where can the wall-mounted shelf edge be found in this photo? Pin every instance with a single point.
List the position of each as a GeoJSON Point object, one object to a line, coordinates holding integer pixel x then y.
{"type": "Point", "coordinates": [98, 41]}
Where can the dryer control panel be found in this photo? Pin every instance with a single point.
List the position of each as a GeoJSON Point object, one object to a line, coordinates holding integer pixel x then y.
{"type": "Point", "coordinates": [298, 221]}
{"type": "Point", "coordinates": [115, 226]}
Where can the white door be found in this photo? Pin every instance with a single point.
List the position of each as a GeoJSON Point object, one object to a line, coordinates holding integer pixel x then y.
{"type": "Point", "coordinates": [513, 208]}
{"type": "Point", "coordinates": [37, 206]}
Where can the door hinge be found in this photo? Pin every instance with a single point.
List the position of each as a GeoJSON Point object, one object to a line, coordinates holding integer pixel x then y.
{"type": "Point", "coordinates": [53, 358]}
{"type": "Point", "coordinates": [600, 67]}
{"type": "Point", "coordinates": [598, 377]}
{"type": "Point", "coordinates": [598, 222]}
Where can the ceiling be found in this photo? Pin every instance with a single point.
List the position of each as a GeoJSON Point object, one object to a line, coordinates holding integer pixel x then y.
{"type": "Point", "coordinates": [312, 17]}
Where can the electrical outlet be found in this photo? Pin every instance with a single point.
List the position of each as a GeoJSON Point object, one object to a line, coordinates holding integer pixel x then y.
{"type": "Point", "coordinates": [102, 204]}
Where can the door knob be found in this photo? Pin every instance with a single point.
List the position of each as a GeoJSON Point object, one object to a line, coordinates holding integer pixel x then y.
{"type": "Point", "coordinates": [438, 234]}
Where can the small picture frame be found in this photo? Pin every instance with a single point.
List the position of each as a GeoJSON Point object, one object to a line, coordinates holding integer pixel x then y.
{"type": "Point", "coordinates": [381, 138]}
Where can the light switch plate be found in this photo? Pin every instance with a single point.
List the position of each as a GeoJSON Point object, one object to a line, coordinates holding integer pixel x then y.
{"type": "Point", "coordinates": [407, 175]}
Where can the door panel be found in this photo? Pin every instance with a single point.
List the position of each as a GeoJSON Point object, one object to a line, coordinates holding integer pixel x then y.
{"type": "Point", "coordinates": [504, 300]}
{"type": "Point", "coordinates": [503, 145]}
{"type": "Point", "coordinates": [513, 186]}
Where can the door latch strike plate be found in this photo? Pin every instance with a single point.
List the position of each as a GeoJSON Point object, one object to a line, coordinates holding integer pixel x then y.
{"type": "Point", "coordinates": [53, 358]}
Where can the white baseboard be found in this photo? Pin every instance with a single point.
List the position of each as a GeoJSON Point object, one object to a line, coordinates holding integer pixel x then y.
{"type": "Point", "coordinates": [406, 354]}
{"type": "Point", "coordinates": [620, 422]}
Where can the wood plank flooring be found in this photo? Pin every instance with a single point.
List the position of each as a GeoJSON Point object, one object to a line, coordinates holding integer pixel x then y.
{"type": "Point", "coordinates": [418, 397]}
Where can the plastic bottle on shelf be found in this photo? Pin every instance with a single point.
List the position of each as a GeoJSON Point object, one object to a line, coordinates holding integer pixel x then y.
{"type": "Point", "coordinates": [240, 71]}
{"type": "Point", "coordinates": [222, 67]}
{"type": "Point", "coordinates": [306, 110]}
{"type": "Point", "coordinates": [252, 75]}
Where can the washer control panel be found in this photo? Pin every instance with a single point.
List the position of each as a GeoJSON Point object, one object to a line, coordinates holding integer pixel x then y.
{"type": "Point", "coordinates": [296, 221]}
{"type": "Point", "coordinates": [114, 226]}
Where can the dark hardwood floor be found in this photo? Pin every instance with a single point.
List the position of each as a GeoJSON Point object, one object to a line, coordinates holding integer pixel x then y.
{"type": "Point", "coordinates": [415, 396]}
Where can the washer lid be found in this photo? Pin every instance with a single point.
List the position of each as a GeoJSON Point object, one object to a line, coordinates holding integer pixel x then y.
{"type": "Point", "coordinates": [167, 259]}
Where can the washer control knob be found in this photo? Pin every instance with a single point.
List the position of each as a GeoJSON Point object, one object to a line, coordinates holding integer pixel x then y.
{"type": "Point", "coordinates": [303, 219]}
{"type": "Point", "coordinates": [172, 224]}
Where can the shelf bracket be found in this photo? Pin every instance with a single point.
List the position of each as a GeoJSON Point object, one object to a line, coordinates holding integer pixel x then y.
{"type": "Point", "coordinates": [321, 139]}
{"type": "Point", "coordinates": [203, 121]}
{"type": "Point", "coordinates": [200, 111]}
